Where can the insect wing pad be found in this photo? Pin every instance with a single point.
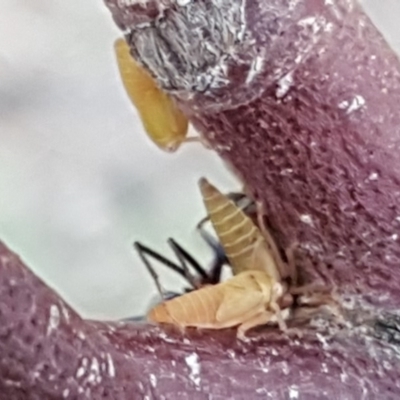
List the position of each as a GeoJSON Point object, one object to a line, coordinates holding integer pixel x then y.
{"type": "Point", "coordinates": [241, 298]}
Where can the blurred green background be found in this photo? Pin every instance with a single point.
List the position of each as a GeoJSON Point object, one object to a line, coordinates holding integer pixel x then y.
{"type": "Point", "coordinates": [79, 180]}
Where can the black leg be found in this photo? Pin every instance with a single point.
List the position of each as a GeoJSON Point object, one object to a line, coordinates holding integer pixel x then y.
{"type": "Point", "coordinates": [219, 256]}
{"type": "Point", "coordinates": [184, 257]}
{"type": "Point", "coordinates": [145, 251]}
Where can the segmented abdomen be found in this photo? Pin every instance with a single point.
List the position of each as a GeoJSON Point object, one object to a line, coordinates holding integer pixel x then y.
{"type": "Point", "coordinates": [236, 231]}
{"type": "Point", "coordinates": [197, 308]}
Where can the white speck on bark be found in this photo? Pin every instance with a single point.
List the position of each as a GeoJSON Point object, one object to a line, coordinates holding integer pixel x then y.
{"type": "Point", "coordinates": [355, 104]}
{"type": "Point", "coordinates": [82, 369]}
{"type": "Point", "coordinates": [153, 380]}
{"type": "Point", "coordinates": [323, 341]}
{"type": "Point", "coordinates": [373, 176]}
{"type": "Point", "coordinates": [9, 382]}
{"type": "Point", "coordinates": [293, 392]}
{"type": "Point", "coordinates": [64, 311]}
{"type": "Point", "coordinates": [306, 218]}
{"type": "Point", "coordinates": [231, 353]}
{"type": "Point", "coordinates": [65, 393]}
{"type": "Point", "coordinates": [286, 171]}
{"type": "Point", "coordinates": [255, 68]}
{"type": "Point", "coordinates": [284, 84]}
{"type": "Point", "coordinates": [54, 319]}
{"type": "Point", "coordinates": [111, 367]}
{"type": "Point", "coordinates": [285, 368]}
{"type": "Point", "coordinates": [94, 376]}
{"type": "Point", "coordinates": [192, 361]}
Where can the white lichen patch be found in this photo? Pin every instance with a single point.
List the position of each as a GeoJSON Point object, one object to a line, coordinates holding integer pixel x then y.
{"type": "Point", "coordinates": [54, 319]}
{"type": "Point", "coordinates": [192, 361]}
{"type": "Point", "coordinates": [153, 380]}
{"type": "Point", "coordinates": [65, 393]}
{"type": "Point", "coordinates": [394, 237]}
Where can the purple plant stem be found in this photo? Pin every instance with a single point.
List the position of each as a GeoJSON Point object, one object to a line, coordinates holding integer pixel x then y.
{"type": "Point", "coordinates": [48, 352]}
{"type": "Point", "coordinates": [302, 100]}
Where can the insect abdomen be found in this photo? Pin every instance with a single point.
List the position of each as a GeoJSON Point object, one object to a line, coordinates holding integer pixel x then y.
{"type": "Point", "coordinates": [197, 308]}
{"type": "Point", "coordinates": [235, 230]}
{"type": "Point", "coordinates": [163, 121]}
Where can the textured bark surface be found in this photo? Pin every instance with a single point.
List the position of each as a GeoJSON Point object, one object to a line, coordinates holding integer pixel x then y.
{"type": "Point", "coordinates": [48, 352]}
{"type": "Point", "coordinates": [301, 98]}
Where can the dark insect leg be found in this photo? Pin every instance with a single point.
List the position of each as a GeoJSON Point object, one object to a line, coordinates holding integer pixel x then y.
{"type": "Point", "coordinates": [242, 201]}
{"type": "Point", "coordinates": [220, 257]}
{"type": "Point", "coordinates": [145, 251]}
{"type": "Point", "coordinates": [184, 257]}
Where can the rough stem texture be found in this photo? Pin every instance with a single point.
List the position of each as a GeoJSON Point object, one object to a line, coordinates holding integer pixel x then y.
{"type": "Point", "coordinates": [48, 352]}
{"type": "Point", "coordinates": [301, 99]}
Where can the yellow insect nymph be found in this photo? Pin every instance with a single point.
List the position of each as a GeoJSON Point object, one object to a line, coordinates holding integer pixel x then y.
{"type": "Point", "coordinates": [246, 246]}
{"type": "Point", "coordinates": [163, 121]}
{"type": "Point", "coordinates": [247, 300]}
